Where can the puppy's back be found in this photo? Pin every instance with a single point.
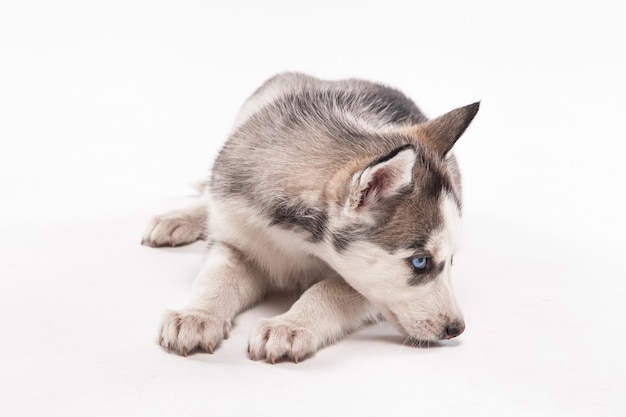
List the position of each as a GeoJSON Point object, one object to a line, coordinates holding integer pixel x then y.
{"type": "Point", "coordinates": [296, 131]}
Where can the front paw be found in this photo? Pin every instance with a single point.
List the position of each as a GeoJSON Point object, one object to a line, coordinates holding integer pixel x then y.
{"type": "Point", "coordinates": [189, 330]}
{"type": "Point", "coordinates": [278, 338]}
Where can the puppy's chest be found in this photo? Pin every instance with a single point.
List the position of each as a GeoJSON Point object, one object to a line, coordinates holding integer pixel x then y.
{"type": "Point", "coordinates": [286, 256]}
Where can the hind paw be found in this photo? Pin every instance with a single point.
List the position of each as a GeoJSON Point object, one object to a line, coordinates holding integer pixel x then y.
{"type": "Point", "coordinates": [173, 229]}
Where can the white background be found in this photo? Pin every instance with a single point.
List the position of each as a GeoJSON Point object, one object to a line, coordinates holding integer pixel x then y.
{"type": "Point", "coordinates": [108, 109]}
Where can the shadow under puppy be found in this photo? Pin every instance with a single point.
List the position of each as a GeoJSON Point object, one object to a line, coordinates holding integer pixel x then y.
{"type": "Point", "coordinates": [342, 190]}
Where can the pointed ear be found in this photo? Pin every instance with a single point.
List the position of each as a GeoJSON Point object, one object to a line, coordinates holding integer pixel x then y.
{"type": "Point", "coordinates": [385, 177]}
{"type": "Point", "coordinates": [441, 134]}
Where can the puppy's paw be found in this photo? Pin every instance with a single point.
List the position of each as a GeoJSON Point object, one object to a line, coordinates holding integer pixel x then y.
{"type": "Point", "coordinates": [189, 330]}
{"type": "Point", "coordinates": [278, 338]}
{"type": "Point", "coordinates": [173, 229]}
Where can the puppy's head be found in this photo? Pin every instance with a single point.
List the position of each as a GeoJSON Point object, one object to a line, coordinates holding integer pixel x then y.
{"type": "Point", "coordinates": [398, 230]}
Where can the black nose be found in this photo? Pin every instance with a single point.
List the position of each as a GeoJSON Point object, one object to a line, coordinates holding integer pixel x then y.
{"type": "Point", "coordinates": [454, 329]}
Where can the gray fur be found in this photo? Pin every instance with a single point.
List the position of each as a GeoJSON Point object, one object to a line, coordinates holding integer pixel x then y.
{"type": "Point", "coordinates": [352, 119]}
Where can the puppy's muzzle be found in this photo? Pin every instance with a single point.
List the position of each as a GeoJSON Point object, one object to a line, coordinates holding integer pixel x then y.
{"type": "Point", "coordinates": [454, 329]}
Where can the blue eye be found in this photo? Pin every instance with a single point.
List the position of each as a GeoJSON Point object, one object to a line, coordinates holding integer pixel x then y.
{"type": "Point", "coordinates": [419, 264]}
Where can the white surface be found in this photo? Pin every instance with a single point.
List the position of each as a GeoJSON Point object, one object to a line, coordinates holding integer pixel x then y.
{"type": "Point", "coordinates": [107, 110]}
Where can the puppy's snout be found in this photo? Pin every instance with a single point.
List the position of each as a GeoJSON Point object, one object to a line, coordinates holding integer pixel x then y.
{"type": "Point", "coordinates": [454, 329]}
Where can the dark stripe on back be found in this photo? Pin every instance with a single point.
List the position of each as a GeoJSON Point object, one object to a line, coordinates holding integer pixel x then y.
{"type": "Point", "coordinates": [312, 220]}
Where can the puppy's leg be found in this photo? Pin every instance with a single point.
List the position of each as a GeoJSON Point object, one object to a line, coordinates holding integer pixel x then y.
{"type": "Point", "coordinates": [325, 313]}
{"type": "Point", "coordinates": [178, 227]}
{"type": "Point", "coordinates": [226, 285]}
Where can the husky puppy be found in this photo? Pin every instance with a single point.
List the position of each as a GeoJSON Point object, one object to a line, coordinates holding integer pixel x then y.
{"type": "Point", "coordinates": [342, 190]}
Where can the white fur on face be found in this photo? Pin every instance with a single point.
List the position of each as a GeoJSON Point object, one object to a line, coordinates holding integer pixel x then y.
{"type": "Point", "coordinates": [448, 239]}
{"type": "Point", "coordinates": [422, 311]}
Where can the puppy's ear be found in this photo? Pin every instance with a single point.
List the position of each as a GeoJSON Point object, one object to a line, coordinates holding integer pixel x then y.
{"type": "Point", "coordinates": [441, 134]}
{"type": "Point", "coordinates": [383, 178]}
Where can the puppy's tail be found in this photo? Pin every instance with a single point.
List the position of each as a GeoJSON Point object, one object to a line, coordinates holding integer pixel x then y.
{"type": "Point", "coordinates": [201, 186]}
